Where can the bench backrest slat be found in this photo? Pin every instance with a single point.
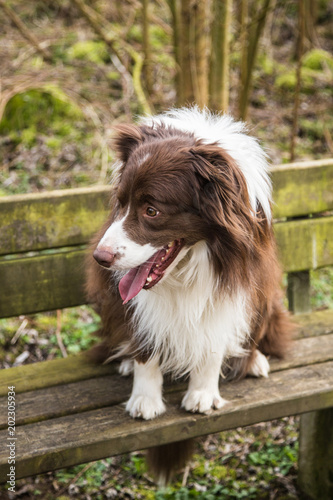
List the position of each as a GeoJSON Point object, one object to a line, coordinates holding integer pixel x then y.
{"type": "Point", "coordinates": [51, 220]}
{"type": "Point", "coordinates": [41, 283]}
{"type": "Point", "coordinates": [302, 188]}
{"type": "Point", "coordinates": [70, 217]}
{"type": "Point", "coordinates": [44, 223]}
{"type": "Point", "coordinates": [54, 281]}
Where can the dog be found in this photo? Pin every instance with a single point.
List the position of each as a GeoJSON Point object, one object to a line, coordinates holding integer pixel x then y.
{"type": "Point", "coordinates": [184, 273]}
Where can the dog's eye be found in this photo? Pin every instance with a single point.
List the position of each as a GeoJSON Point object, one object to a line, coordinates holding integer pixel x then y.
{"type": "Point", "coordinates": [151, 212]}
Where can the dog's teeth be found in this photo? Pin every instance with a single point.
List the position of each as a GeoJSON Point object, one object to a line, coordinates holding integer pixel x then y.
{"type": "Point", "coordinates": [170, 245]}
{"type": "Point", "coordinates": [149, 279]}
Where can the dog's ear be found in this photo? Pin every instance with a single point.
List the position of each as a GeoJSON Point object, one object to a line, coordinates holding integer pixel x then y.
{"type": "Point", "coordinates": [126, 139]}
{"type": "Point", "coordinates": [224, 198]}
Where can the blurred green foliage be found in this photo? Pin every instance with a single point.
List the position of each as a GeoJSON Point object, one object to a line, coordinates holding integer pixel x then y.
{"type": "Point", "coordinates": [41, 111]}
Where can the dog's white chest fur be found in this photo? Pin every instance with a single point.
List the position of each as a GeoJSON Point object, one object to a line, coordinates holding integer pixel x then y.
{"type": "Point", "coordinates": [184, 320]}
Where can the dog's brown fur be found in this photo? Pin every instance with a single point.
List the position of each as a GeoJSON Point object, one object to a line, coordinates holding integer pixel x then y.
{"type": "Point", "coordinates": [204, 197]}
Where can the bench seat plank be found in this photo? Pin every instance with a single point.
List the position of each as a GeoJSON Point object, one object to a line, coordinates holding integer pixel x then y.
{"type": "Point", "coordinates": [75, 368]}
{"type": "Point", "coordinates": [100, 433]}
{"type": "Point", "coordinates": [99, 392]}
{"type": "Point", "coordinates": [50, 373]}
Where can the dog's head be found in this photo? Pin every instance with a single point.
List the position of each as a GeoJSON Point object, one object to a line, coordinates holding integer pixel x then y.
{"type": "Point", "coordinates": [173, 190]}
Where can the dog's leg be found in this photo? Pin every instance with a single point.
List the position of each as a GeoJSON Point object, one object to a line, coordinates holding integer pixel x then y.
{"type": "Point", "coordinates": [203, 393]}
{"type": "Point", "coordinates": [146, 399]}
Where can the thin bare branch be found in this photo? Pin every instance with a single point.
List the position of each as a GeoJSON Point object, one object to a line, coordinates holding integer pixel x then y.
{"type": "Point", "coordinates": [25, 32]}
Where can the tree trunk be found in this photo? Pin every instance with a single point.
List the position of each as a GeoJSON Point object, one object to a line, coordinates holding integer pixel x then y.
{"type": "Point", "coordinates": [147, 65]}
{"type": "Point", "coordinates": [187, 52]}
{"type": "Point", "coordinates": [194, 27]}
{"type": "Point", "coordinates": [250, 46]}
{"type": "Point", "coordinates": [219, 63]}
{"type": "Point", "coordinates": [200, 70]}
{"type": "Point", "coordinates": [300, 50]}
{"type": "Point", "coordinates": [174, 6]}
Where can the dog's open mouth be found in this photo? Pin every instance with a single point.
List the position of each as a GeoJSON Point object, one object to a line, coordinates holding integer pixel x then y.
{"type": "Point", "coordinates": [150, 272]}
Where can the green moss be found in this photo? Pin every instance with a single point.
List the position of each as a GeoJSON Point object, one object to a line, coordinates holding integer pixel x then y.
{"type": "Point", "coordinates": [35, 109]}
{"type": "Point", "coordinates": [200, 470]}
{"type": "Point", "coordinates": [220, 472]}
{"type": "Point", "coordinates": [266, 64]}
{"type": "Point", "coordinates": [89, 50]}
{"type": "Point", "coordinates": [287, 81]}
{"type": "Point", "coordinates": [318, 59]}
{"type": "Point", "coordinates": [113, 75]}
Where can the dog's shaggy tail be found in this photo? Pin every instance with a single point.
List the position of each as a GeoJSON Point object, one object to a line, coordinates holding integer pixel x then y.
{"type": "Point", "coordinates": [165, 460]}
{"type": "Point", "coordinates": [278, 332]}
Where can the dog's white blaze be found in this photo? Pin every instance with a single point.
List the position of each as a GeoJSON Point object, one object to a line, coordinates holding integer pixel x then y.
{"type": "Point", "coordinates": [184, 320]}
{"type": "Point", "coordinates": [129, 253]}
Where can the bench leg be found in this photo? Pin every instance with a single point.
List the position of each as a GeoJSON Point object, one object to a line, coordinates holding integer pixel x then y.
{"type": "Point", "coordinates": [315, 476]}
{"type": "Point", "coordinates": [298, 292]}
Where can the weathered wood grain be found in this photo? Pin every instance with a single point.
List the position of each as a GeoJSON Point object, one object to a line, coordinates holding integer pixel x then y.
{"type": "Point", "coordinates": [305, 244]}
{"type": "Point", "coordinates": [302, 188]}
{"type": "Point", "coordinates": [41, 283]}
{"type": "Point", "coordinates": [314, 323]}
{"type": "Point", "coordinates": [50, 220]}
{"type": "Point", "coordinates": [69, 440]}
{"type": "Point", "coordinates": [76, 368]}
{"type": "Point", "coordinates": [69, 217]}
{"type": "Point", "coordinates": [64, 399]}
{"type": "Point", "coordinates": [315, 470]}
{"type": "Point", "coordinates": [50, 373]}
{"type": "Point", "coordinates": [53, 281]}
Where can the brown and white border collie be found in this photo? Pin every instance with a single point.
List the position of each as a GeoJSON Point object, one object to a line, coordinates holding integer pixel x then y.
{"type": "Point", "coordinates": [187, 279]}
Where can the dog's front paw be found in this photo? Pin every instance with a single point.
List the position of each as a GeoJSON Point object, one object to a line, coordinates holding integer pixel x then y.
{"type": "Point", "coordinates": [143, 406]}
{"type": "Point", "coordinates": [202, 401]}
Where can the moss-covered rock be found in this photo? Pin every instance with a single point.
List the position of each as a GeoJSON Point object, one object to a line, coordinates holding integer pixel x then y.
{"type": "Point", "coordinates": [318, 60]}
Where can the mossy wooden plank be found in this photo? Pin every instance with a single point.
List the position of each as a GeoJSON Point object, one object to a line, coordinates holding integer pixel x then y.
{"type": "Point", "coordinates": [34, 376]}
{"type": "Point", "coordinates": [50, 220]}
{"type": "Point", "coordinates": [41, 283]}
{"type": "Point", "coordinates": [302, 188]}
{"type": "Point", "coordinates": [69, 217]}
{"type": "Point", "coordinates": [305, 244]}
{"type": "Point", "coordinates": [306, 351]}
{"type": "Point", "coordinates": [78, 397]}
{"type": "Point", "coordinates": [75, 368]}
{"type": "Point", "coordinates": [314, 323]}
{"type": "Point", "coordinates": [54, 281]}
{"type": "Point", "coordinates": [74, 439]}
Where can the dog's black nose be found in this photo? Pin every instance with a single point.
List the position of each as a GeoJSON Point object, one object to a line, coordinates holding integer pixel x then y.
{"type": "Point", "coordinates": [103, 257]}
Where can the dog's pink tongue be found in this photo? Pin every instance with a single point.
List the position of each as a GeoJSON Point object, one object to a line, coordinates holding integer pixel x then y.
{"type": "Point", "coordinates": [131, 284]}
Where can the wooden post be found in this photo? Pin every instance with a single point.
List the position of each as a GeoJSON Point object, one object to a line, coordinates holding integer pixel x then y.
{"type": "Point", "coordinates": [315, 475]}
{"type": "Point", "coordinates": [298, 292]}
{"type": "Point", "coordinates": [315, 461]}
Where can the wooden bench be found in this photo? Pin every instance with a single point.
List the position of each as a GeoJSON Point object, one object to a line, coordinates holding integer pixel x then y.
{"type": "Point", "coordinates": [70, 412]}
